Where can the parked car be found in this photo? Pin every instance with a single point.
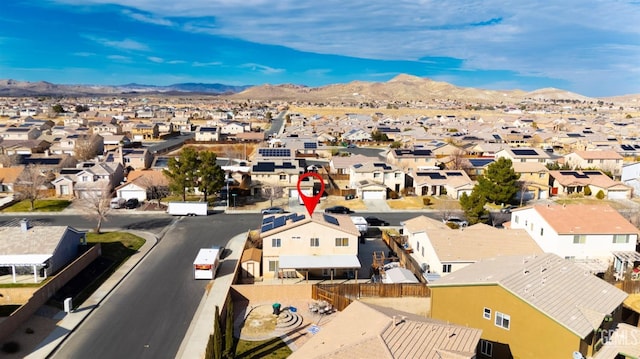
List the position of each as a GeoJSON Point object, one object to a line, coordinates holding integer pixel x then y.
{"type": "Point", "coordinates": [272, 210]}
{"type": "Point", "coordinates": [117, 203]}
{"type": "Point", "coordinates": [131, 203]}
{"type": "Point", "coordinates": [507, 209]}
{"type": "Point", "coordinates": [457, 221]}
{"type": "Point", "coordinates": [375, 221]}
{"type": "Point", "coordinates": [338, 209]}
{"type": "Point", "coordinates": [349, 196]}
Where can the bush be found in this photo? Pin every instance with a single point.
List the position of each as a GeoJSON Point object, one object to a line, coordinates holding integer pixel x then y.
{"type": "Point", "coordinates": [587, 191]}
{"type": "Point", "coordinates": [426, 201]}
{"type": "Point", "coordinates": [393, 195]}
{"type": "Point", "coordinates": [600, 194]}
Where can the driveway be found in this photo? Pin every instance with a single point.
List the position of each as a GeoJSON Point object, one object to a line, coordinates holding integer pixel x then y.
{"type": "Point", "coordinates": [376, 205]}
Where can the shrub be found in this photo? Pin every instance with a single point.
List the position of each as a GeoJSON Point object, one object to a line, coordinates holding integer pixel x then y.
{"type": "Point", "coordinates": [587, 191]}
{"type": "Point", "coordinates": [600, 194]}
{"type": "Point", "coordinates": [426, 201]}
{"type": "Point", "coordinates": [393, 195]}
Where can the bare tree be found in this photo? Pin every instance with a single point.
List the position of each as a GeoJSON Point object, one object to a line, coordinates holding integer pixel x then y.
{"type": "Point", "coordinates": [68, 162]}
{"type": "Point", "coordinates": [29, 184]}
{"type": "Point", "coordinates": [87, 147]}
{"type": "Point", "coordinates": [272, 192]}
{"type": "Point", "coordinates": [97, 204]}
{"type": "Point", "coordinates": [457, 160]}
{"type": "Point", "coordinates": [9, 160]}
{"type": "Point", "coordinates": [157, 186]}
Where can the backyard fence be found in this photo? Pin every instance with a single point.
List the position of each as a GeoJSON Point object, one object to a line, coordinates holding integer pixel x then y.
{"type": "Point", "coordinates": [341, 295]}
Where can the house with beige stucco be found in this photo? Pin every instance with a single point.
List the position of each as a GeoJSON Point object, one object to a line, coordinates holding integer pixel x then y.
{"type": "Point", "coordinates": [296, 245]}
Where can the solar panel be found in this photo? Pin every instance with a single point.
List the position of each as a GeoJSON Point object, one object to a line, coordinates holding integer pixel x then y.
{"type": "Point", "coordinates": [574, 135]}
{"type": "Point", "coordinates": [382, 165]}
{"type": "Point", "coordinates": [274, 152]}
{"type": "Point", "coordinates": [592, 173]}
{"type": "Point", "coordinates": [627, 147]}
{"type": "Point", "coordinates": [331, 219]}
{"type": "Point", "coordinates": [310, 145]}
{"type": "Point", "coordinates": [268, 220]}
{"type": "Point", "coordinates": [266, 227]}
{"type": "Point", "coordinates": [475, 162]}
{"type": "Point", "coordinates": [524, 152]}
{"type": "Point", "coordinates": [357, 165]}
{"type": "Point", "coordinates": [580, 175]}
{"type": "Point", "coordinates": [299, 217]}
{"type": "Point", "coordinates": [497, 137]}
{"type": "Point", "coordinates": [279, 222]}
{"type": "Point", "coordinates": [422, 153]}
{"type": "Point", "coordinates": [568, 173]}
{"type": "Point", "coordinates": [264, 167]}
{"type": "Point", "coordinates": [453, 174]}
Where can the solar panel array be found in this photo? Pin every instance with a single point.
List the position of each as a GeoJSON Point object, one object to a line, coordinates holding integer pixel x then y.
{"type": "Point", "coordinates": [630, 147]}
{"type": "Point", "coordinates": [382, 165]}
{"type": "Point", "coordinates": [330, 219]}
{"type": "Point", "coordinates": [432, 175]}
{"type": "Point", "coordinates": [274, 152]}
{"type": "Point", "coordinates": [310, 145]}
{"type": "Point", "coordinates": [271, 166]}
{"type": "Point", "coordinates": [577, 174]}
{"type": "Point", "coordinates": [453, 174]}
{"type": "Point", "coordinates": [524, 152]}
{"type": "Point", "coordinates": [480, 162]}
{"type": "Point", "coordinates": [273, 222]}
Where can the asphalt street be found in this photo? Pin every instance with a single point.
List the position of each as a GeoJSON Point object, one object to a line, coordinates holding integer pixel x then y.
{"type": "Point", "coordinates": [148, 314]}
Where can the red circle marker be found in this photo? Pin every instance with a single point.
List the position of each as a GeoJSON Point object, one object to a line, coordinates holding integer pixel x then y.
{"type": "Point", "coordinates": [310, 202]}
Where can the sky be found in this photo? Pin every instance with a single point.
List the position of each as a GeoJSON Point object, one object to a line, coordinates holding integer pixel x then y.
{"type": "Point", "coordinates": [591, 47]}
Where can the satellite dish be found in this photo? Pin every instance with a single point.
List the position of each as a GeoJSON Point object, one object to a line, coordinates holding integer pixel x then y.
{"type": "Point", "coordinates": [577, 355]}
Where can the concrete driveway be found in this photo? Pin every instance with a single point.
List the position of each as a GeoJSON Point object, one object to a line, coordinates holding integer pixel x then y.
{"type": "Point", "coordinates": [376, 205]}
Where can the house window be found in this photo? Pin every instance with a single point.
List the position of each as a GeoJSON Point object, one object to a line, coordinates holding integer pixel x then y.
{"type": "Point", "coordinates": [418, 245]}
{"type": "Point", "coordinates": [621, 238]}
{"type": "Point", "coordinates": [422, 250]}
{"type": "Point", "coordinates": [273, 266]}
{"type": "Point", "coordinates": [314, 242]}
{"type": "Point", "coordinates": [516, 219]}
{"type": "Point", "coordinates": [486, 348]}
{"type": "Point", "coordinates": [589, 161]}
{"type": "Point", "coordinates": [486, 313]}
{"type": "Point", "coordinates": [342, 242]}
{"type": "Point", "coordinates": [503, 320]}
{"type": "Point", "coordinates": [376, 175]}
{"type": "Point", "coordinates": [446, 268]}
{"type": "Point", "coordinates": [579, 238]}
{"type": "Point", "coordinates": [275, 242]}
{"type": "Point", "coordinates": [397, 175]}
{"type": "Point", "coordinates": [541, 232]}
{"type": "Point", "coordinates": [283, 177]}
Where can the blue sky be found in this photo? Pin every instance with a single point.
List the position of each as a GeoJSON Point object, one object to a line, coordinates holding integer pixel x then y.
{"type": "Point", "coordinates": [585, 46]}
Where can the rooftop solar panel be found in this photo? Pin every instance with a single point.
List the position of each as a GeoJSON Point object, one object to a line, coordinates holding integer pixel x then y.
{"type": "Point", "coordinates": [279, 222]}
{"type": "Point", "coordinates": [331, 219]}
{"type": "Point", "coordinates": [274, 152]}
{"type": "Point", "coordinates": [310, 145]}
{"type": "Point", "coordinates": [580, 175]}
{"type": "Point", "coordinates": [592, 173]}
{"type": "Point", "coordinates": [524, 152]}
{"type": "Point", "coordinates": [453, 174]}
{"type": "Point", "coordinates": [266, 227]}
{"type": "Point", "coordinates": [480, 162]}
{"type": "Point", "coordinates": [268, 220]}
{"type": "Point", "coordinates": [568, 173]}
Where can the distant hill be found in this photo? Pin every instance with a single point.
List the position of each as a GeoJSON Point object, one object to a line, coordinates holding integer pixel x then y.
{"type": "Point", "coordinates": [400, 88]}
{"type": "Point", "coordinates": [42, 88]}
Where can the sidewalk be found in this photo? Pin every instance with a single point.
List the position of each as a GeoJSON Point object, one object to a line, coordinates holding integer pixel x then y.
{"type": "Point", "coordinates": [69, 321]}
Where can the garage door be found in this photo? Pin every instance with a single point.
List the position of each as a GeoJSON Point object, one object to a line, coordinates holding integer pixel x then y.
{"type": "Point", "coordinates": [617, 194]}
{"type": "Point", "coordinates": [373, 195]}
{"type": "Point", "coordinates": [293, 193]}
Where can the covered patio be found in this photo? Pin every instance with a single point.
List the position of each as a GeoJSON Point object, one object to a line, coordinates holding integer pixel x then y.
{"type": "Point", "coordinates": [21, 267]}
{"type": "Point", "coordinates": [324, 264]}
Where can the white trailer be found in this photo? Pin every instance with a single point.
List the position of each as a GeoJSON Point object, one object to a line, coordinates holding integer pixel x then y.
{"type": "Point", "coordinates": [206, 263]}
{"type": "Point", "coordinates": [360, 223]}
{"type": "Point", "coordinates": [187, 208]}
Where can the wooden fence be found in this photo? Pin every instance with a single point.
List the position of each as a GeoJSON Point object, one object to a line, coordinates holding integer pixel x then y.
{"type": "Point", "coordinates": [396, 244]}
{"type": "Point", "coordinates": [341, 295]}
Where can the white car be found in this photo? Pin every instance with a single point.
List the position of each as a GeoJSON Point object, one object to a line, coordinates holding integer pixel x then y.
{"type": "Point", "coordinates": [458, 221]}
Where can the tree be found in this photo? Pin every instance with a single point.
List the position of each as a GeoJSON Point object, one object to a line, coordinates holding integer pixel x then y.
{"type": "Point", "coordinates": [211, 176]}
{"type": "Point", "coordinates": [57, 108]}
{"type": "Point", "coordinates": [182, 172]}
{"type": "Point", "coordinates": [272, 192]}
{"type": "Point", "coordinates": [473, 206]}
{"type": "Point", "coordinates": [458, 162]}
{"type": "Point", "coordinates": [9, 160]}
{"type": "Point", "coordinates": [82, 108]}
{"type": "Point", "coordinates": [217, 335]}
{"type": "Point", "coordinates": [157, 187]}
{"type": "Point", "coordinates": [499, 184]}
{"type": "Point", "coordinates": [395, 144]}
{"type": "Point", "coordinates": [379, 136]}
{"type": "Point", "coordinates": [228, 333]}
{"type": "Point", "coordinates": [87, 147]}
{"type": "Point", "coordinates": [29, 184]}
{"type": "Point", "coordinates": [97, 204]}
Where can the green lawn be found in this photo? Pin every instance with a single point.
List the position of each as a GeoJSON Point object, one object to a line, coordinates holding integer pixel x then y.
{"type": "Point", "coordinates": [272, 348]}
{"type": "Point", "coordinates": [41, 205]}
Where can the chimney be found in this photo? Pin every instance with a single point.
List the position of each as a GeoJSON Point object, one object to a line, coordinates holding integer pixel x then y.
{"type": "Point", "coordinates": [24, 225]}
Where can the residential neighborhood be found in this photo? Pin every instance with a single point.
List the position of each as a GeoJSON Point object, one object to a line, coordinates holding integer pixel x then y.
{"type": "Point", "coordinates": [503, 228]}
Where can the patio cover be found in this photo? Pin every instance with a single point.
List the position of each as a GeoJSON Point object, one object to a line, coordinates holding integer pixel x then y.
{"type": "Point", "coordinates": [23, 259]}
{"type": "Point", "coordinates": [321, 261]}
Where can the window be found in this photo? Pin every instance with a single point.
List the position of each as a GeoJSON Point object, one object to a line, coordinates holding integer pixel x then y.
{"type": "Point", "coordinates": [376, 175]}
{"type": "Point", "coordinates": [589, 161]}
{"type": "Point", "coordinates": [314, 242]}
{"type": "Point", "coordinates": [516, 219]}
{"type": "Point", "coordinates": [621, 238]}
{"type": "Point", "coordinates": [397, 175]}
{"type": "Point", "coordinates": [486, 314]}
{"type": "Point", "coordinates": [446, 268]}
{"type": "Point", "coordinates": [275, 242]}
{"type": "Point", "coordinates": [486, 348]}
{"type": "Point", "coordinates": [342, 242]}
{"type": "Point", "coordinates": [283, 177]}
{"type": "Point", "coordinates": [273, 266]}
{"type": "Point", "coordinates": [503, 320]}
{"type": "Point", "coordinates": [579, 238]}
{"type": "Point", "coordinates": [541, 232]}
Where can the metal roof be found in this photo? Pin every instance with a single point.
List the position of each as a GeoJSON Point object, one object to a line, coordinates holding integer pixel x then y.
{"type": "Point", "coordinates": [322, 261]}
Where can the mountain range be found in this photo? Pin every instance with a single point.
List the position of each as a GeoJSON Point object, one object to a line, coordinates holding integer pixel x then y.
{"type": "Point", "coordinates": [399, 89]}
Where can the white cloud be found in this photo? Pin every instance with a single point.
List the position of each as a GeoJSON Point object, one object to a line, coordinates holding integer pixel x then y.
{"type": "Point", "coordinates": [560, 39]}
{"type": "Point", "coordinates": [206, 64]}
{"type": "Point", "coordinates": [126, 44]}
{"type": "Point", "coordinates": [155, 59]}
{"type": "Point", "coordinates": [119, 58]}
{"type": "Point", "coordinates": [262, 68]}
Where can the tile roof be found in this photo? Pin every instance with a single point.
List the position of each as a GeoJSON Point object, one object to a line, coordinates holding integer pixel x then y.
{"type": "Point", "coordinates": [481, 241]}
{"type": "Point", "coordinates": [344, 223]}
{"type": "Point", "coordinates": [585, 219]}
{"type": "Point", "coordinates": [583, 178]}
{"type": "Point", "coordinates": [10, 174]}
{"type": "Point", "coordinates": [556, 287]}
{"type": "Point", "coordinates": [599, 155]}
{"type": "Point", "coordinates": [423, 223]}
{"type": "Point", "coordinates": [369, 331]}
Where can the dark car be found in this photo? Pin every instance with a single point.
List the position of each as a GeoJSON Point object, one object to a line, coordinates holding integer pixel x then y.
{"type": "Point", "coordinates": [349, 196]}
{"type": "Point", "coordinates": [507, 209]}
{"type": "Point", "coordinates": [272, 210]}
{"type": "Point", "coordinates": [131, 203]}
{"type": "Point", "coordinates": [375, 221]}
{"type": "Point", "coordinates": [338, 209]}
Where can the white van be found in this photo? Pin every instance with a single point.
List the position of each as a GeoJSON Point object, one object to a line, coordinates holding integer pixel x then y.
{"type": "Point", "coordinates": [117, 202]}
